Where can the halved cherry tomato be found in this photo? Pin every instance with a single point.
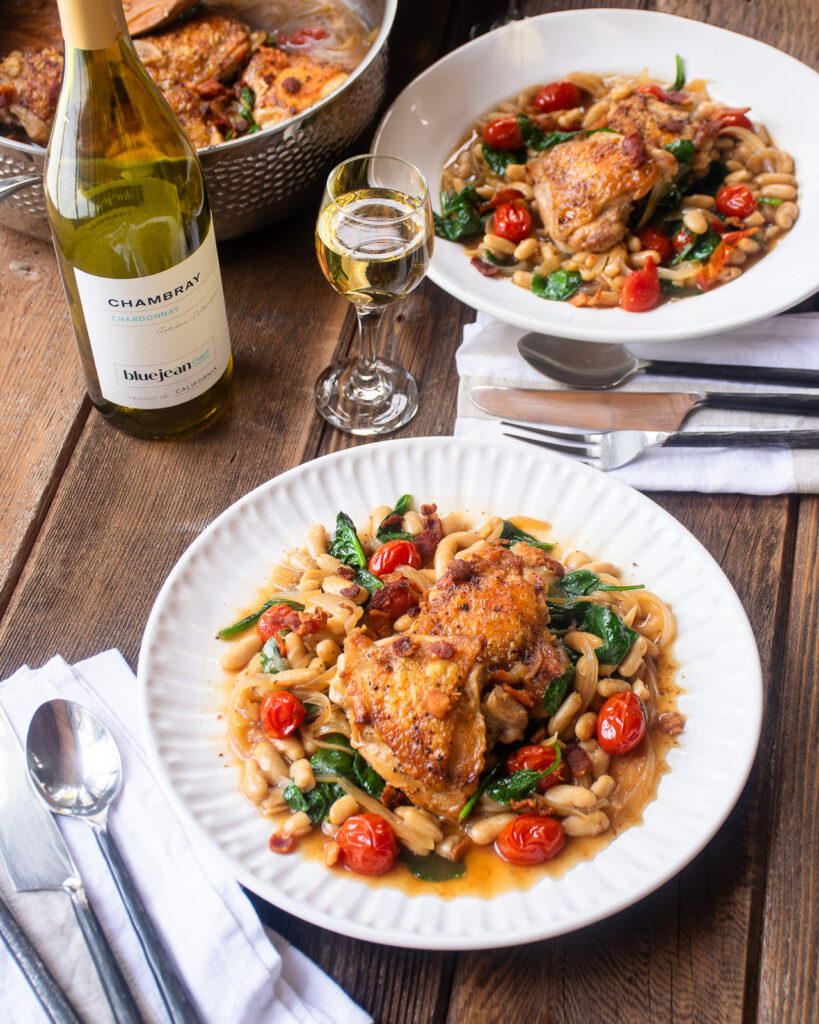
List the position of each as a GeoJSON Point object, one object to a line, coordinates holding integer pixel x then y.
{"type": "Point", "coordinates": [530, 839]}
{"type": "Point", "coordinates": [719, 257]}
{"type": "Point", "coordinates": [302, 35]}
{"type": "Point", "coordinates": [641, 289]}
{"type": "Point", "coordinates": [512, 221]}
{"type": "Point", "coordinates": [503, 195]}
{"type": "Point", "coordinates": [558, 96]}
{"type": "Point", "coordinates": [734, 117]}
{"type": "Point", "coordinates": [682, 239]}
{"type": "Point", "coordinates": [503, 134]}
{"type": "Point", "coordinates": [367, 843]}
{"type": "Point", "coordinates": [281, 714]}
{"type": "Point", "coordinates": [392, 554]}
{"type": "Point", "coordinates": [274, 619]}
{"type": "Point", "coordinates": [672, 96]}
{"type": "Point", "coordinates": [621, 723]}
{"type": "Point", "coordinates": [538, 759]}
{"type": "Point", "coordinates": [654, 238]}
{"type": "Point", "coordinates": [735, 201]}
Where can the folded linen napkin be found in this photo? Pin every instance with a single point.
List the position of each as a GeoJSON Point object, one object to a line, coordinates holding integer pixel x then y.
{"type": "Point", "coordinates": [234, 971]}
{"type": "Point", "coordinates": [488, 355]}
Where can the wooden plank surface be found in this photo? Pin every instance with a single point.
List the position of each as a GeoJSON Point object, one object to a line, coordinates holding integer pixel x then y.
{"type": "Point", "coordinates": [93, 520]}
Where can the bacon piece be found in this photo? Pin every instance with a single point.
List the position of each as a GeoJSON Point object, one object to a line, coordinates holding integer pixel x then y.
{"type": "Point", "coordinates": [280, 843]}
{"type": "Point", "coordinates": [577, 759]}
{"type": "Point", "coordinates": [487, 269]}
{"type": "Point", "coordinates": [345, 572]}
{"type": "Point", "coordinates": [671, 722]}
{"type": "Point", "coordinates": [521, 696]}
{"type": "Point", "coordinates": [442, 649]}
{"type": "Point", "coordinates": [430, 537]}
{"type": "Point", "coordinates": [635, 149]}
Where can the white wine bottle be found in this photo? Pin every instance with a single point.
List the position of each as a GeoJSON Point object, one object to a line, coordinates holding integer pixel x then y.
{"type": "Point", "coordinates": [134, 236]}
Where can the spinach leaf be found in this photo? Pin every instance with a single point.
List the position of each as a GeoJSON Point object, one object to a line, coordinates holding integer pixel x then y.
{"type": "Point", "coordinates": [678, 291]}
{"type": "Point", "coordinates": [499, 159]}
{"type": "Point", "coordinates": [700, 249]}
{"type": "Point", "coordinates": [364, 578]}
{"type": "Point", "coordinates": [250, 620]}
{"type": "Point", "coordinates": [345, 545]}
{"type": "Point", "coordinates": [556, 691]}
{"type": "Point", "coordinates": [270, 659]}
{"type": "Point", "coordinates": [367, 778]}
{"type": "Point", "coordinates": [712, 182]}
{"type": "Point", "coordinates": [431, 867]}
{"type": "Point", "coordinates": [584, 581]}
{"type": "Point", "coordinates": [347, 763]}
{"type": "Point", "coordinates": [535, 138]}
{"type": "Point", "coordinates": [679, 81]}
{"type": "Point", "coordinates": [682, 150]}
{"type": "Point", "coordinates": [316, 803]}
{"type": "Point", "coordinates": [520, 784]}
{"type": "Point", "coordinates": [488, 778]}
{"type": "Point", "coordinates": [559, 285]}
{"type": "Point", "coordinates": [246, 100]}
{"type": "Point", "coordinates": [512, 533]}
{"type": "Point", "coordinates": [617, 638]}
{"type": "Point", "coordinates": [459, 217]}
{"type": "Point", "coordinates": [384, 533]}
{"type": "Point", "coordinates": [770, 200]}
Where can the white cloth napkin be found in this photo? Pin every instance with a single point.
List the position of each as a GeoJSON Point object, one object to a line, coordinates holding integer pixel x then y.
{"type": "Point", "coordinates": [234, 971]}
{"type": "Point", "coordinates": [488, 355]}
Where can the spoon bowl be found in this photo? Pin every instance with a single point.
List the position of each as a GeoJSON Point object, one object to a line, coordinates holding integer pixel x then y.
{"type": "Point", "coordinates": [582, 364]}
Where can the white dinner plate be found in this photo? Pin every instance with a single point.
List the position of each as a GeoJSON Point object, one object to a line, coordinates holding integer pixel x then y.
{"type": "Point", "coordinates": [223, 569]}
{"type": "Point", "coordinates": [437, 110]}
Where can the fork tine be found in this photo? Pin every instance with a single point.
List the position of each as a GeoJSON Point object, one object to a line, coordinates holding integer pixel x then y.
{"type": "Point", "coordinates": [581, 452]}
{"type": "Point", "coordinates": [571, 435]}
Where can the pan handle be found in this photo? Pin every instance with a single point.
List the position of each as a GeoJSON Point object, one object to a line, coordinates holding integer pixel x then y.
{"type": "Point", "coordinates": [8, 186]}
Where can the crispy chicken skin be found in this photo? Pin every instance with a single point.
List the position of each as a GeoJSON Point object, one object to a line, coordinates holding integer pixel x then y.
{"type": "Point", "coordinates": [497, 595]}
{"type": "Point", "coordinates": [285, 84]}
{"type": "Point", "coordinates": [413, 707]}
{"type": "Point", "coordinates": [660, 124]}
{"type": "Point", "coordinates": [29, 87]}
{"type": "Point", "coordinates": [585, 188]}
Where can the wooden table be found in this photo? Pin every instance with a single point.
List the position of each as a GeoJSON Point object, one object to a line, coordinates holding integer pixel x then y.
{"type": "Point", "coordinates": [92, 521]}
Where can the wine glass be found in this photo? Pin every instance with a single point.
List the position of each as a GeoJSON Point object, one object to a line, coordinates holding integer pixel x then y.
{"type": "Point", "coordinates": [374, 239]}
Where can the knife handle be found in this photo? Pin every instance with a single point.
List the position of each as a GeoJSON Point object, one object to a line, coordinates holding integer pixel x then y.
{"type": "Point", "coordinates": [54, 1001]}
{"type": "Point", "coordinates": [752, 438]}
{"type": "Point", "coordinates": [176, 997]}
{"type": "Point", "coordinates": [799, 404]}
{"type": "Point", "coordinates": [724, 371]}
{"type": "Point", "coordinates": [119, 996]}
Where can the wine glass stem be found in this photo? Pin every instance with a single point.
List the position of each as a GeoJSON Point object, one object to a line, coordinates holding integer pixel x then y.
{"type": "Point", "coordinates": [366, 376]}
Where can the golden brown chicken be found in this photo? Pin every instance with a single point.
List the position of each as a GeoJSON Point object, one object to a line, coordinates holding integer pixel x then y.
{"type": "Point", "coordinates": [586, 188]}
{"type": "Point", "coordinates": [413, 707]}
{"type": "Point", "coordinates": [285, 84]}
{"type": "Point", "coordinates": [29, 87]}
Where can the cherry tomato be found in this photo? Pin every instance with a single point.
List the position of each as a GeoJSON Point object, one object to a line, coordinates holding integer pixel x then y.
{"type": "Point", "coordinates": [641, 289]}
{"type": "Point", "coordinates": [621, 723]}
{"type": "Point", "coordinates": [503, 134]}
{"type": "Point", "coordinates": [669, 96]}
{"type": "Point", "coordinates": [302, 36]}
{"type": "Point", "coordinates": [558, 96]}
{"type": "Point", "coordinates": [538, 759]}
{"type": "Point", "coordinates": [682, 239]}
{"type": "Point", "coordinates": [530, 839]}
{"type": "Point", "coordinates": [735, 201]}
{"type": "Point", "coordinates": [512, 221]}
{"type": "Point", "coordinates": [503, 195]}
{"type": "Point", "coordinates": [392, 554]}
{"type": "Point", "coordinates": [281, 713]}
{"type": "Point", "coordinates": [274, 619]}
{"type": "Point", "coordinates": [731, 117]}
{"type": "Point", "coordinates": [653, 238]}
{"type": "Point", "coordinates": [367, 843]}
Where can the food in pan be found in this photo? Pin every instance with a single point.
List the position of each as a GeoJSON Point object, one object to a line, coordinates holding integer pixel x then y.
{"type": "Point", "coordinates": [420, 688]}
{"type": "Point", "coordinates": [617, 191]}
{"type": "Point", "coordinates": [221, 78]}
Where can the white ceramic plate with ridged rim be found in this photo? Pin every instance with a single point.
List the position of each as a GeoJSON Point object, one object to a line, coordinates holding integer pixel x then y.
{"type": "Point", "coordinates": [439, 107]}
{"type": "Point", "coordinates": [224, 568]}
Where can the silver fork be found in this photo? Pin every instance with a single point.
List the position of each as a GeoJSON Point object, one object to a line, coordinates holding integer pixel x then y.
{"type": "Point", "coordinates": [611, 449]}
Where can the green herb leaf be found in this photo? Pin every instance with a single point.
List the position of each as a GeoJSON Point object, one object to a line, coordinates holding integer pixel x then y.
{"type": "Point", "coordinates": [679, 80]}
{"type": "Point", "coordinates": [700, 249]}
{"type": "Point", "coordinates": [511, 533]}
{"type": "Point", "coordinates": [499, 159]}
{"type": "Point", "coordinates": [384, 534]}
{"type": "Point", "coordinates": [617, 638]}
{"type": "Point", "coordinates": [253, 618]}
{"type": "Point", "coordinates": [432, 867]}
{"type": "Point", "coordinates": [488, 778]}
{"type": "Point", "coordinates": [345, 545]}
{"type": "Point", "coordinates": [367, 778]}
{"type": "Point", "coordinates": [316, 803]}
{"type": "Point", "coordinates": [369, 581]}
{"type": "Point", "coordinates": [520, 784]}
{"type": "Point", "coordinates": [327, 761]}
{"type": "Point", "coordinates": [682, 150]}
{"type": "Point", "coordinates": [459, 217]}
{"type": "Point", "coordinates": [246, 101]}
{"type": "Point", "coordinates": [678, 291]}
{"type": "Point", "coordinates": [582, 582]}
{"type": "Point", "coordinates": [769, 200]}
{"type": "Point", "coordinates": [558, 286]}
{"type": "Point", "coordinates": [535, 138]}
{"type": "Point", "coordinates": [347, 763]}
{"type": "Point", "coordinates": [556, 691]}
{"type": "Point", "coordinates": [271, 660]}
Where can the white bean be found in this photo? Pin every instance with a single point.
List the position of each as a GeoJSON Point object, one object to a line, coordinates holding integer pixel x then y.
{"type": "Point", "coordinates": [297, 824]}
{"type": "Point", "coordinates": [241, 651]}
{"type": "Point", "coordinates": [344, 808]}
{"type": "Point", "coordinates": [487, 830]}
{"type": "Point", "coordinates": [301, 772]}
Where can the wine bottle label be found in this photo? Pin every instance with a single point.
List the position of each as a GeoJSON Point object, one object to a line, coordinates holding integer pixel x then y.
{"type": "Point", "coordinates": [159, 340]}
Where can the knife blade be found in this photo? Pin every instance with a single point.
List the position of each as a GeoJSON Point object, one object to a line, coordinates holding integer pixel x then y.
{"type": "Point", "coordinates": [36, 858]}
{"type": "Point", "coordinates": [628, 410]}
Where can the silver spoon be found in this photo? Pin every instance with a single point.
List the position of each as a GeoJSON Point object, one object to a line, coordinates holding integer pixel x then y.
{"type": "Point", "coordinates": [75, 765]}
{"type": "Point", "coordinates": [591, 364]}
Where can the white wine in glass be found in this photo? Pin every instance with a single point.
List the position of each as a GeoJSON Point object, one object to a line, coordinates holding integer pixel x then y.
{"type": "Point", "coordinates": [374, 238]}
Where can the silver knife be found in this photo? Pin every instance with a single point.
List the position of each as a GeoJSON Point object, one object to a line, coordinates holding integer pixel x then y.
{"type": "Point", "coordinates": [36, 858]}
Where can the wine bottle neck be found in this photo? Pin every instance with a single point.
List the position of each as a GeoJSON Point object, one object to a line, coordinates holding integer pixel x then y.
{"type": "Point", "coordinates": [92, 24]}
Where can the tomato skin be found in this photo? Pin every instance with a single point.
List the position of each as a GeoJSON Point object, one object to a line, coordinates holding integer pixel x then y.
{"type": "Point", "coordinates": [281, 714]}
{"type": "Point", "coordinates": [735, 201]}
{"type": "Point", "coordinates": [621, 723]}
{"type": "Point", "coordinates": [654, 238]}
{"type": "Point", "coordinates": [368, 845]}
{"type": "Point", "coordinates": [271, 621]}
{"type": "Point", "coordinates": [558, 96]}
{"type": "Point", "coordinates": [503, 195]}
{"type": "Point", "coordinates": [530, 839]}
{"type": "Point", "coordinates": [641, 289]}
{"type": "Point", "coordinates": [392, 554]}
{"type": "Point", "coordinates": [734, 117]}
{"type": "Point", "coordinates": [538, 759]}
{"type": "Point", "coordinates": [681, 239]}
{"type": "Point", "coordinates": [512, 221]}
{"type": "Point", "coordinates": [503, 134]}
{"type": "Point", "coordinates": [301, 36]}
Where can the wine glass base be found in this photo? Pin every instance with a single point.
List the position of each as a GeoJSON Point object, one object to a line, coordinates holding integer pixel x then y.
{"type": "Point", "coordinates": [387, 400]}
